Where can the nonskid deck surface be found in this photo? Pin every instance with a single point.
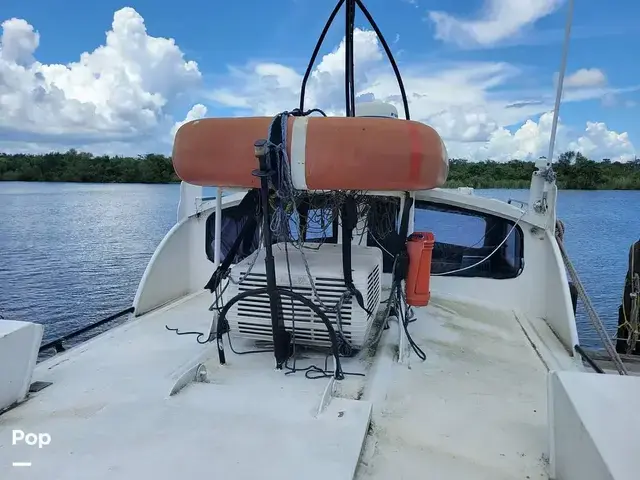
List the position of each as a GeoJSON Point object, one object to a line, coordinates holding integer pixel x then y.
{"type": "Point", "coordinates": [475, 409]}
{"type": "Point", "coordinates": [110, 416]}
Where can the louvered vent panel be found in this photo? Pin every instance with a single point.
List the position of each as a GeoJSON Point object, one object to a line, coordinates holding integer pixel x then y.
{"type": "Point", "coordinates": [251, 317]}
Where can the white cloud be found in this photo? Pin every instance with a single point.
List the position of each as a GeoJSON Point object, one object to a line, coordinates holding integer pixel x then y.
{"type": "Point", "coordinates": [197, 111]}
{"type": "Point", "coordinates": [586, 77]}
{"type": "Point", "coordinates": [467, 103]}
{"type": "Point", "coordinates": [498, 20]}
{"type": "Point", "coordinates": [119, 91]}
{"type": "Point", "coordinates": [600, 142]}
{"type": "Point", "coordinates": [18, 42]}
{"type": "Point", "coordinates": [116, 98]}
{"type": "Point", "coordinates": [531, 141]}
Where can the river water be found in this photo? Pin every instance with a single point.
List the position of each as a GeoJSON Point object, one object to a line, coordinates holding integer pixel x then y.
{"type": "Point", "coordinates": [71, 254]}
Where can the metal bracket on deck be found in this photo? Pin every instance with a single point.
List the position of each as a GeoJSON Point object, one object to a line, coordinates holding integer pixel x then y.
{"type": "Point", "coordinates": [403, 341]}
{"type": "Point", "coordinates": [197, 373]}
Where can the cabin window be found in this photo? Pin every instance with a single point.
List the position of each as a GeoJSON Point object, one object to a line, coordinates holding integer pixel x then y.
{"type": "Point", "coordinates": [465, 238]}
{"type": "Point", "coordinates": [233, 219]}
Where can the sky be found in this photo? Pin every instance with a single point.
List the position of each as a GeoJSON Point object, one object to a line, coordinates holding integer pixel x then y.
{"type": "Point", "coordinates": [120, 78]}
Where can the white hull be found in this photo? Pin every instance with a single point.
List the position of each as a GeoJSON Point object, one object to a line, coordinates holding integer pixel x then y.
{"type": "Point", "coordinates": [129, 403]}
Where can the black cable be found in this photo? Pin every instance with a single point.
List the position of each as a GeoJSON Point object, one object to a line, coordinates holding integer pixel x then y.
{"type": "Point", "coordinates": [314, 55]}
{"type": "Point", "coordinates": [296, 112]}
{"type": "Point", "coordinates": [199, 334]}
{"type": "Point", "coordinates": [421, 355]}
{"type": "Point", "coordinates": [319, 372]}
{"type": "Point", "coordinates": [350, 87]}
{"type": "Point", "coordinates": [349, 74]}
{"type": "Point", "coordinates": [387, 50]}
{"type": "Point", "coordinates": [293, 314]}
{"type": "Point", "coordinates": [588, 359]}
{"type": "Point", "coordinates": [212, 337]}
{"type": "Point", "coordinates": [300, 298]}
{"type": "Point", "coordinates": [245, 352]}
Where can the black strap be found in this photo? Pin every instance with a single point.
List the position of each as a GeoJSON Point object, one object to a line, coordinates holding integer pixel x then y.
{"type": "Point", "coordinates": [274, 155]}
{"type": "Point", "coordinates": [349, 214]}
{"type": "Point", "coordinates": [303, 217]}
{"type": "Point", "coordinates": [245, 238]}
{"type": "Point", "coordinates": [402, 257]}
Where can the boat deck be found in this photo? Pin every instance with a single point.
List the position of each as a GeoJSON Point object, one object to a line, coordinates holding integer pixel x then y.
{"type": "Point", "coordinates": [475, 409]}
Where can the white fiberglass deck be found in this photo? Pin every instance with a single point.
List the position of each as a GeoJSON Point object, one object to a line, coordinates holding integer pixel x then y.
{"type": "Point", "coordinates": [475, 409]}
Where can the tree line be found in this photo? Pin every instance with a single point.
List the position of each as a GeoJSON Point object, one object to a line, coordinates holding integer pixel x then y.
{"type": "Point", "coordinates": [573, 170]}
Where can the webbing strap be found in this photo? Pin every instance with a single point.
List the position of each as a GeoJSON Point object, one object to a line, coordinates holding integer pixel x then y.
{"type": "Point", "coordinates": [402, 257]}
{"type": "Point", "coordinates": [303, 216]}
{"type": "Point", "coordinates": [274, 155]}
{"type": "Point", "coordinates": [349, 214]}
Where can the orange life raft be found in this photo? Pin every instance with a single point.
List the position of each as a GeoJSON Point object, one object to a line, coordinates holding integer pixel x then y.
{"type": "Point", "coordinates": [325, 153]}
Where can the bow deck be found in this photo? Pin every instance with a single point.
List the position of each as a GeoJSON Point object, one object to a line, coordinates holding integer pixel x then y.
{"type": "Point", "coordinates": [474, 409]}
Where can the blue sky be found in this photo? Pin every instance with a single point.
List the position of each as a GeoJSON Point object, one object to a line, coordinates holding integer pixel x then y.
{"type": "Point", "coordinates": [480, 71]}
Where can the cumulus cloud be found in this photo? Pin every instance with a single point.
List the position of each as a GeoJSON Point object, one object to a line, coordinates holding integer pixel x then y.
{"type": "Point", "coordinates": [467, 103]}
{"type": "Point", "coordinates": [586, 77]}
{"type": "Point", "coordinates": [600, 142]}
{"type": "Point", "coordinates": [497, 21]}
{"type": "Point", "coordinates": [531, 141]}
{"type": "Point", "coordinates": [118, 98]}
{"type": "Point", "coordinates": [119, 91]}
{"type": "Point", "coordinates": [197, 111]}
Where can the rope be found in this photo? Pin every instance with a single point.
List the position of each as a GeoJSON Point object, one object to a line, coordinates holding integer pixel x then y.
{"type": "Point", "coordinates": [634, 311]}
{"type": "Point", "coordinates": [632, 322]}
{"type": "Point", "coordinates": [593, 315]}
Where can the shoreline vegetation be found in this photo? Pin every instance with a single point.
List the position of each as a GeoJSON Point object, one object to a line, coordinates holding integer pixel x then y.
{"type": "Point", "coordinates": [574, 171]}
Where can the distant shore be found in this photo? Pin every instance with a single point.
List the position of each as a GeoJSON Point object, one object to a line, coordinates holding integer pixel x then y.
{"type": "Point", "coordinates": [574, 171]}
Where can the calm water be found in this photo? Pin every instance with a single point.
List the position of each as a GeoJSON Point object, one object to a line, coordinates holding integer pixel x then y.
{"type": "Point", "coordinates": [71, 254]}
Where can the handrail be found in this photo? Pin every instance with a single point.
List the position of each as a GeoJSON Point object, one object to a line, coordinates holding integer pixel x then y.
{"type": "Point", "coordinates": [57, 344]}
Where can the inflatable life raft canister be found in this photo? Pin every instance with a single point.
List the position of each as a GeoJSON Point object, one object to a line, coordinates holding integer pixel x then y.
{"type": "Point", "coordinates": [374, 151]}
{"type": "Point", "coordinates": [419, 248]}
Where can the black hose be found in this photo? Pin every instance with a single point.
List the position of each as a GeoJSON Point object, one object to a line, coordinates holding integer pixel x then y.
{"type": "Point", "coordinates": [338, 374]}
{"type": "Point", "coordinates": [396, 70]}
{"type": "Point", "coordinates": [314, 55]}
{"type": "Point", "coordinates": [349, 60]}
{"type": "Point", "coordinates": [588, 359]}
{"type": "Point", "coordinates": [349, 73]}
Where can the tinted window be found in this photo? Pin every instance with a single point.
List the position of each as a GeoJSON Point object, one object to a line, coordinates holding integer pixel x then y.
{"type": "Point", "coordinates": [233, 219]}
{"type": "Point", "coordinates": [465, 238]}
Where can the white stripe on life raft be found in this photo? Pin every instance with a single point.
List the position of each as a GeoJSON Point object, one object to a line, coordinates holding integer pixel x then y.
{"type": "Point", "coordinates": [298, 153]}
